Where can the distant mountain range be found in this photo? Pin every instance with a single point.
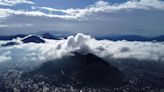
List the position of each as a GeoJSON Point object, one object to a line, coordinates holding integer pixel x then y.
{"type": "Point", "coordinates": [58, 36]}
{"type": "Point", "coordinates": [34, 36]}
{"type": "Point", "coordinates": [131, 38]}
{"type": "Point", "coordinates": [35, 39]}
{"type": "Point", "coordinates": [55, 34]}
{"type": "Point", "coordinates": [10, 37]}
{"type": "Point", "coordinates": [26, 39]}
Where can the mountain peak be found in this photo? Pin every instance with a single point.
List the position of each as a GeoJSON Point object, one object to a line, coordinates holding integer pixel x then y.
{"type": "Point", "coordinates": [35, 39]}
{"type": "Point", "coordinates": [79, 71]}
{"type": "Point", "coordinates": [49, 36]}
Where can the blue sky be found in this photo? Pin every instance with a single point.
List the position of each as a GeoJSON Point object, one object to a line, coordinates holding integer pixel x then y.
{"type": "Point", "coordinates": [95, 17]}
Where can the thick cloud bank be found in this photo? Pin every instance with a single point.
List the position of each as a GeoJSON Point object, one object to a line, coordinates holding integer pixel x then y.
{"type": "Point", "coordinates": [53, 49]}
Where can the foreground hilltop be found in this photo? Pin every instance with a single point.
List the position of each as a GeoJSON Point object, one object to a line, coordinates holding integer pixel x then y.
{"type": "Point", "coordinates": [78, 71]}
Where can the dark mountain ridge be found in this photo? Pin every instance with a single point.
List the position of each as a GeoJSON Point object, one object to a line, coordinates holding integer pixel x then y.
{"type": "Point", "coordinates": [78, 71]}
{"type": "Point", "coordinates": [107, 37]}
{"type": "Point", "coordinates": [35, 39]}
{"type": "Point", "coordinates": [131, 38]}
{"type": "Point", "coordinates": [10, 37]}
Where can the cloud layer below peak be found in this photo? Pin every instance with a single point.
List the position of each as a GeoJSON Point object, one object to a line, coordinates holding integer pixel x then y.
{"type": "Point", "coordinates": [33, 54]}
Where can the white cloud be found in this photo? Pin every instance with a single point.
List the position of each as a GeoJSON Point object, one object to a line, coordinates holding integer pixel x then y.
{"type": "Point", "coordinates": [14, 2]}
{"type": "Point", "coordinates": [2, 26]}
{"type": "Point", "coordinates": [103, 6]}
{"type": "Point", "coordinates": [76, 13]}
{"type": "Point", "coordinates": [7, 12]}
{"type": "Point", "coordinates": [34, 54]}
{"type": "Point", "coordinates": [16, 25]}
{"type": "Point", "coordinates": [133, 50]}
{"type": "Point", "coordinates": [4, 59]}
{"type": "Point", "coordinates": [3, 14]}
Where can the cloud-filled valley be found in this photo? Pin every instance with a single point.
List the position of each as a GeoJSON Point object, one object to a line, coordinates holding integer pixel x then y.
{"type": "Point", "coordinates": [36, 53]}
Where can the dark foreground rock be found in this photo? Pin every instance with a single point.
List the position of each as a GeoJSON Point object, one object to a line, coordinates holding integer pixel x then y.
{"type": "Point", "coordinates": [86, 73]}
{"type": "Point", "coordinates": [78, 71]}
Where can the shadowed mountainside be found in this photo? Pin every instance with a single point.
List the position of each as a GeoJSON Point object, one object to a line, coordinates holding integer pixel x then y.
{"type": "Point", "coordinates": [78, 71]}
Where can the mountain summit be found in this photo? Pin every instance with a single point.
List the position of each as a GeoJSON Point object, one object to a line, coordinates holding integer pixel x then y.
{"type": "Point", "coordinates": [78, 71]}
{"type": "Point", "coordinates": [35, 39]}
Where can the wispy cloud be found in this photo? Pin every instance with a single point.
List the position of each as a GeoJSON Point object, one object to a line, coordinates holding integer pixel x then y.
{"type": "Point", "coordinates": [100, 6]}
{"type": "Point", "coordinates": [1, 25]}
{"type": "Point", "coordinates": [7, 12]}
{"type": "Point", "coordinates": [14, 2]}
{"type": "Point", "coordinates": [115, 18]}
{"type": "Point", "coordinates": [103, 6]}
